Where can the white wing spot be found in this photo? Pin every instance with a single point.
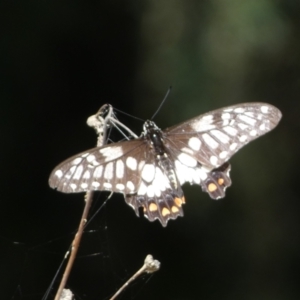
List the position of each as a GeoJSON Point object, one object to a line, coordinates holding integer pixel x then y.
{"type": "Point", "coordinates": [160, 181]}
{"type": "Point", "coordinates": [187, 160]}
{"type": "Point", "coordinates": [264, 109]}
{"type": "Point", "coordinates": [187, 150]}
{"type": "Point", "coordinates": [70, 172]}
{"type": "Point", "coordinates": [195, 176]}
{"type": "Point", "coordinates": [249, 114]}
{"type": "Point", "coordinates": [223, 154]}
{"type": "Point", "coordinates": [194, 143]}
{"type": "Point", "coordinates": [98, 172]}
{"type": "Point", "coordinates": [95, 184]}
{"type": "Point", "coordinates": [243, 138]}
{"type": "Point", "coordinates": [213, 160]}
{"type": "Point", "coordinates": [131, 163]}
{"type": "Point", "coordinates": [95, 163]}
{"type": "Point", "coordinates": [225, 122]}
{"type": "Point", "coordinates": [107, 185]}
{"type": "Point", "coordinates": [119, 169]}
{"type": "Point", "coordinates": [233, 146]}
{"type": "Point", "coordinates": [120, 186]}
{"type": "Point", "coordinates": [239, 110]}
{"type": "Point", "coordinates": [220, 136]}
{"type": "Point", "coordinates": [247, 120]}
{"type": "Point", "coordinates": [77, 161]}
{"type": "Point", "coordinates": [262, 127]}
{"type": "Point", "coordinates": [58, 173]}
{"type": "Point", "coordinates": [203, 124]}
{"type": "Point", "coordinates": [142, 189]}
{"type": "Point", "coordinates": [84, 185]}
{"type": "Point", "coordinates": [86, 174]}
{"type": "Point", "coordinates": [230, 130]}
{"type": "Point", "coordinates": [108, 173]}
{"type": "Point", "coordinates": [243, 126]}
{"type": "Point", "coordinates": [210, 141]}
{"type": "Point", "coordinates": [130, 185]}
{"type": "Point", "coordinates": [202, 174]}
{"type": "Point", "coordinates": [157, 192]}
{"type": "Point", "coordinates": [85, 154]}
{"type": "Point", "coordinates": [78, 172]}
{"type": "Point", "coordinates": [104, 150]}
{"type": "Point", "coordinates": [226, 116]}
{"type": "Point", "coordinates": [208, 117]}
{"type": "Point", "coordinates": [182, 172]}
{"type": "Point", "coordinates": [253, 132]}
{"type": "Point", "coordinates": [150, 191]}
{"type": "Point", "coordinates": [111, 153]}
{"type": "Point", "coordinates": [91, 158]}
{"type": "Point", "coordinates": [148, 172]}
{"type": "Point", "coordinates": [141, 165]}
{"type": "Point", "coordinates": [73, 186]}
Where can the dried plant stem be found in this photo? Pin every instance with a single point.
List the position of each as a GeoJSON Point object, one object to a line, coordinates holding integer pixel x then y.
{"type": "Point", "coordinates": [75, 244]}
{"type": "Point", "coordinates": [100, 122]}
{"type": "Point", "coordinates": [150, 266]}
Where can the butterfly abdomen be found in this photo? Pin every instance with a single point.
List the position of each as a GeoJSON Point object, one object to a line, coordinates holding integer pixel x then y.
{"type": "Point", "coordinates": [162, 156]}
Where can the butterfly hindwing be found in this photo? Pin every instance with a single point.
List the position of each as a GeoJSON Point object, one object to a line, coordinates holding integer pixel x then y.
{"type": "Point", "coordinates": [159, 192]}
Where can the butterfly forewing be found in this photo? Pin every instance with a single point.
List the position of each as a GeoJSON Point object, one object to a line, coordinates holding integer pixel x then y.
{"type": "Point", "coordinates": [214, 137]}
{"type": "Point", "coordinates": [114, 167]}
{"type": "Point", "coordinates": [150, 170]}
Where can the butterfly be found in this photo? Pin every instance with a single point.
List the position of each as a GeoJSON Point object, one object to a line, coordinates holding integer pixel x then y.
{"type": "Point", "coordinates": [151, 169]}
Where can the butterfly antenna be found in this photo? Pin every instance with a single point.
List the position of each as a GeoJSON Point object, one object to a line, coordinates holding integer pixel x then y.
{"type": "Point", "coordinates": [162, 103]}
{"type": "Point", "coordinates": [129, 115]}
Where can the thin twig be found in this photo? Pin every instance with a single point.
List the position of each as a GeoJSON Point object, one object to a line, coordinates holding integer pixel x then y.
{"type": "Point", "coordinates": [100, 125]}
{"type": "Point", "coordinates": [75, 244]}
{"type": "Point", "coordinates": [150, 266]}
{"type": "Point", "coordinates": [100, 122]}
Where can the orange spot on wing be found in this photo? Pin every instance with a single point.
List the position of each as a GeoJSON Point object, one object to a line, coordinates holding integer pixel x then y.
{"type": "Point", "coordinates": [165, 212]}
{"type": "Point", "coordinates": [178, 201]}
{"type": "Point", "coordinates": [220, 181]}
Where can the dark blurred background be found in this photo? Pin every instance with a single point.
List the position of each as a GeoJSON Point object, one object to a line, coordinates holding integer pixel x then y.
{"type": "Point", "coordinates": [61, 60]}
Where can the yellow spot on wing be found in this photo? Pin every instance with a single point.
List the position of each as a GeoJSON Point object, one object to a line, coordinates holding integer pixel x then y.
{"type": "Point", "coordinates": [165, 212]}
{"type": "Point", "coordinates": [153, 207]}
{"type": "Point", "coordinates": [175, 209]}
{"type": "Point", "coordinates": [212, 187]}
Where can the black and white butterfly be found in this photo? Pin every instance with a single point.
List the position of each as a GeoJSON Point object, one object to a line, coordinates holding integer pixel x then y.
{"type": "Point", "coordinates": [151, 169]}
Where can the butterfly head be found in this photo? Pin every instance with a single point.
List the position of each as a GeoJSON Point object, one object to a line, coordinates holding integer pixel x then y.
{"type": "Point", "coordinates": [149, 126]}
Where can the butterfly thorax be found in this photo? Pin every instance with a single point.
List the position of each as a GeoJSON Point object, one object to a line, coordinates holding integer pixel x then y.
{"type": "Point", "coordinates": [155, 136]}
